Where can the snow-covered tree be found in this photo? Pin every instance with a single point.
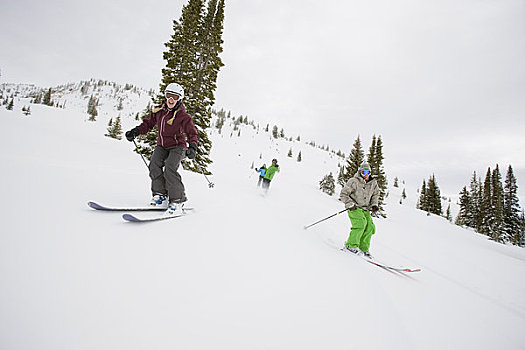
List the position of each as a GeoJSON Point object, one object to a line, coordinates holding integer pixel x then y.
{"type": "Point", "coordinates": [463, 218]}
{"type": "Point", "coordinates": [430, 197]}
{"type": "Point", "coordinates": [11, 105]}
{"type": "Point", "coordinates": [375, 160]}
{"type": "Point", "coordinates": [275, 132]}
{"type": "Point", "coordinates": [497, 206]}
{"type": "Point", "coordinates": [47, 98]}
{"type": "Point", "coordinates": [512, 228]}
{"type": "Point", "coordinates": [327, 184]}
{"type": "Point", "coordinates": [192, 60]}
{"type": "Point", "coordinates": [486, 214]}
{"type": "Point", "coordinates": [356, 158]}
{"type": "Point", "coordinates": [115, 129]}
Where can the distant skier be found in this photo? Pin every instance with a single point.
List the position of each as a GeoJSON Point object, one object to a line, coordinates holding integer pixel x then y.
{"type": "Point", "coordinates": [360, 196]}
{"type": "Point", "coordinates": [270, 172]}
{"type": "Point", "coordinates": [175, 129]}
{"type": "Point", "coordinates": [262, 172]}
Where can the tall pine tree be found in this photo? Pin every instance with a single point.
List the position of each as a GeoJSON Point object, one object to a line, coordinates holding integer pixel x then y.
{"type": "Point", "coordinates": [512, 229]}
{"type": "Point", "coordinates": [497, 206]}
{"type": "Point", "coordinates": [430, 197]}
{"type": "Point", "coordinates": [47, 98]}
{"type": "Point", "coordinates": [476, 193]}
{"type": "Point", "coordinates": [485, 208]}
{"type": "Point", "coordinates": [465, 204]}
{"type": "Point", "coordinates": [375, 160]}
{"type": "Point", "coordinates": [357, 156]}
{"type": "Point", "coordinates": [192, 60]}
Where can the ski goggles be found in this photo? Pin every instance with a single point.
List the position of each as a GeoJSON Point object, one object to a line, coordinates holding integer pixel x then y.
{"type": "Point", "coordinates": [169, 95]}
{"type": "Point", "coordinates": [366, 172]}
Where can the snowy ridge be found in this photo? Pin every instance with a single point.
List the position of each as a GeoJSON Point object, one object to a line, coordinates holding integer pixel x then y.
{"type": "Point", "coordinates": [240, 272]}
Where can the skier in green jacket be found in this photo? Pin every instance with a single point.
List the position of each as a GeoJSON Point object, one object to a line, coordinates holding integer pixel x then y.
{"type": "Point", "coordinates": [270, 172]}
{"type": "Point", "coordinates": [361, 196]}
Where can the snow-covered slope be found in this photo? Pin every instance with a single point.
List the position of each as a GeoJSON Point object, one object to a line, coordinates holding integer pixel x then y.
{"type": "Point", "coordinates": [240, 272]}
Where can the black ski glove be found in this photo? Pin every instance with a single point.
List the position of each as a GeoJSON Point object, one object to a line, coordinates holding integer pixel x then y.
{"type": "Point", "coordinates": [353, 207]}
{"type": "Point", "coordinates": [375, 209]}
{"type": "Point", "coordinates": [130, 135]}
{"type": "Point", "coordinates": [191, 152]}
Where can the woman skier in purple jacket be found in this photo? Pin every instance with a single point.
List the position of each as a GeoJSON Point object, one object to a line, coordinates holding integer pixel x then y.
{"type": "Point", "coordinates": [175, 131]}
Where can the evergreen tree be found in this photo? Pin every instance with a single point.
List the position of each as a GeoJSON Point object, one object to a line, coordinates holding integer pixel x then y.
{"type": "Point", "coordinates": [463, 217]}
{"type": "Point", "coordinates": [109, 128]}
{"type": "Point", "coordinates": [38, 99]}
{"type": "Point", "coordinates": [433, 197]}
{"type": "Point", "coordinates": [396, 182]}
{"type": "Point", "coordinates": [117, 129]}
{"type": "Point", "coordinates": [421, 203]}
{"type": "Point", "coordinates": [275, 132]}
{"type": "Point", "coordinates": [47, 98]}
{"type": "Point", "coordinates": [92, 108]}
{"type": "Point", "coordinates": [486, 215]}
{"type": "Point", "coordinates": [192, 60]}
{"type": "Point", "coordinates": [522, 229]}
{"type": "Point", "coordinates": [476, 193]}
{"type": "Point", "coordinates": [299, 157]}
{"type": "Point", "coordinates": [356, 158]}
{"type": "Point", "coordinates": [27, 110]}
{"type": "Point", "coordinates": [327, 184]}
{"type": "Point", "coordinates": [290, 153]}
{"type": "Point", "coordinates": [497, 206]}
{"type": "Point", "coordinates": [512, 229]}
{"type": "Point", "coordinates": [430, 197]}
{"type": "Point", "coordinates": [375, 160]}
{"type": "Point", "coordinates": [11, 105]}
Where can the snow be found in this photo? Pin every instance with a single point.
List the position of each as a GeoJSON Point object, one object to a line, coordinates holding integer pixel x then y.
{"type": "Point", "coordinates": [240, 272]}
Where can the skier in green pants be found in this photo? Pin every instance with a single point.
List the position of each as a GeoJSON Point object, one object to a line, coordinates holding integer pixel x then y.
{"type": "Point", "coordinates": [360, 196]}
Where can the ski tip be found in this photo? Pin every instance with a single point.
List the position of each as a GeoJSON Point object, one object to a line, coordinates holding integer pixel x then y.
{"type": "Point", "coordinates": [412, 270]}
{"type": "Point", "coordinates": [129, 217]}
{"type": "Point", "coordinates": [94, 205]}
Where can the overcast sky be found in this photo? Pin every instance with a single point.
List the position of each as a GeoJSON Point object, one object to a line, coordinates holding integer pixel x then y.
{"type": "Point", "coordinates": [442, 81]}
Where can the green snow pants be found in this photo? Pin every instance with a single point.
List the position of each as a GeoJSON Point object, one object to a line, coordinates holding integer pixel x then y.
{"type": "Point", "coordinates": [362, 229]}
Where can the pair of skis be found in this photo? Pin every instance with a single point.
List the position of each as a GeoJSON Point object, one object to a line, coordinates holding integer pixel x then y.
{"type": "Point", "coordinates": [384, 266]}
{"type": "Point", "coordinates": [134, 218]}
{"type": "Point", "coordinates": [400, 270]}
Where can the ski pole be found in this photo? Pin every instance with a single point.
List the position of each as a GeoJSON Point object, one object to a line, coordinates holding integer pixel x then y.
{"type": "Point", "coordinates": [315, 223]}
{"type": "Point", "coordinates": [142, 156]}
{"type": "Point", "coordinates": [210, 184]}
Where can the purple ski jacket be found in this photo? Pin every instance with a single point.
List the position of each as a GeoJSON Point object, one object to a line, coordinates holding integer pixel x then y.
{"type": "Point", "coordinates": [175, 127]}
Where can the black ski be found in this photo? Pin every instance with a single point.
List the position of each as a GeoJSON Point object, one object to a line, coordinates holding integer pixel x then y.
{"type": "Point", "coordinates": [384, 266]}
{"type": "Point", "coordinates": [97, 206]}
{"type": "Point", "coordinates": [135, 218]}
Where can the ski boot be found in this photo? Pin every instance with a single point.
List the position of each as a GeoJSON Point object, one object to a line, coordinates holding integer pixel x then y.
{"type": "Point", "coordinates": [368, 255]}
{"type": "Point", "coordinates": [159, 200]}
{"type": "Point", "coordinates": [352, 250]}
{"type": "Point", "coordinates": [175, 209]}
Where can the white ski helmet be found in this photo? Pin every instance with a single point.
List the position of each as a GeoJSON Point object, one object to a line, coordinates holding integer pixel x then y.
{"type": "Point", "coordinates": [174, 88]}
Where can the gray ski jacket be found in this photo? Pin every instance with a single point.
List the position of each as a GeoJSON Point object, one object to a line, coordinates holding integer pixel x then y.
{"type": "Point", "coordinates": [363, 194]}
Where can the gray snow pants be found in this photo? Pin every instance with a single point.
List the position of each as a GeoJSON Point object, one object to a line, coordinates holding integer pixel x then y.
{"type": "Point", "coordinates": [163, 171]}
